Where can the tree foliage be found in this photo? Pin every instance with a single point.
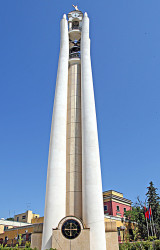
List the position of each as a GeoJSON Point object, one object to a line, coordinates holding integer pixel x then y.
{"type": "Point", "coordinates": [137, 214]}
{"type": "Point", "coordinates": [11, 219]}
{"type": "Point", "coordinates": [153, 200]}
{"type": "Point", "coordinates": [143, 245]}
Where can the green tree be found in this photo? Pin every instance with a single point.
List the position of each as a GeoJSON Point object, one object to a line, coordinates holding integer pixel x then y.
{"type": "Point", "coordinates": [153, 200]}
{"type": "Point", "coordinates": [11, 219]}
{"type": "Point", "coordinates": [137, 215]}
{"type": "Point", "coordinates": [20, 239]}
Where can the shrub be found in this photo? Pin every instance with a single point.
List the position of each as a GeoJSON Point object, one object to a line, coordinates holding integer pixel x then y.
{"type": "Point", "coordinates": [28, 244]}
{"type": "Point", "coordinates": [157, 244]}
{"type": "Point", "coordinates": [140, 245]}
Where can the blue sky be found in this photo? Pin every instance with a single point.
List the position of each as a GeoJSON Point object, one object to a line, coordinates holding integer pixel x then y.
{"type": "Point", "coordinates": [125, 51]}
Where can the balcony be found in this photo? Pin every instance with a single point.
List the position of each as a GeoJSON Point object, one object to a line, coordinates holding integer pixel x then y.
{"type": "Point", "coordinates": [75, 55]}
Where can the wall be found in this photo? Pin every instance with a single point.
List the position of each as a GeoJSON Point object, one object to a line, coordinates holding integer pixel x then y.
{"type": "Point", "coordinates": [28, 216]}
{"type": "Point", "coordinates": [119, 224]}
{"type": "Point", "coordinates": [12, 233]}
{"type": "Point", "coordinates": [121, 208]}
{"type": "Point", "coordinates": [37, 220]}
{"type": "Point", "coordinates": [112, 192]}
{"type": "Point", "coordinates": [1, 229]}
{"type": "Point", "coordinates": [109, 207]}
{"type": "Point", "coordinates": [36, 241]}
{"type": "Point", "coordinates": [81, 242]}
{"type": "Point", "coordinates": [20, 217]}
{"type": "Point", "coordinates": [112, 208]}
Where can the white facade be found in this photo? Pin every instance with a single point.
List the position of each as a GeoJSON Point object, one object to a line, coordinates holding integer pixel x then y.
{"type": "Point", "coordinates": [74, 173]}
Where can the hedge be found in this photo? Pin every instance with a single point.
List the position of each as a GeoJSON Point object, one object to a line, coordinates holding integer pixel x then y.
{"type": "Point", "coordinates": [143, 245]}
{"type": "Point", "coordinates": [22, 248]}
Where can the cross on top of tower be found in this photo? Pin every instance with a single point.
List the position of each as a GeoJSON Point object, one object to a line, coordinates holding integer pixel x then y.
{"type": "Point", "coordinates": [75, 6]}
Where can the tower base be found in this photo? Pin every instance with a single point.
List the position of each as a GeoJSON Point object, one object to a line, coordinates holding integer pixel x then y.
{"type": "Point", "coordinates": [71, 234]}
{"type": "Point", "coordinates": [81, 242]}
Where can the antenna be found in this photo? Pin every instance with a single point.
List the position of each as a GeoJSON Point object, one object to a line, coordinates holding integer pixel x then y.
{"type": "Point", "coordinates": [28, 205]}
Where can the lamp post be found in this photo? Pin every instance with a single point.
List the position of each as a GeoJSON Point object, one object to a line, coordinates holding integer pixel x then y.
{"type": "Point", "coordinates": [26, 231]}
{"type": "Point", "coordinates": [123, 227]}
{"type": "Point", "coordinates": [6, 239]}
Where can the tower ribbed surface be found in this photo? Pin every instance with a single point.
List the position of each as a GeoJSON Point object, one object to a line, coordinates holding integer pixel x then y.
{"type": "Point", "coordinates": [74, 143]}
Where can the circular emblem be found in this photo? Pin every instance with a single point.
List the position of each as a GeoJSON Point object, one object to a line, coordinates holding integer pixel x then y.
{"type": "Point", "coordinates": [75, 14]}
{"type": "Point", "coordinates": [71, 229]}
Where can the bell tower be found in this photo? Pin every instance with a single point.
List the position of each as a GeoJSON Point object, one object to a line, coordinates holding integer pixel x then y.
{"type": "Point", "coordinates": [71, 219]}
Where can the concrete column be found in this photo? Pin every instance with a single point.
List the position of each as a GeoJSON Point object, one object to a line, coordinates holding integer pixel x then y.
{"type": "Point", "coordinates": [74, 144]}
{"type": "Point", "coordinates": [55, 203]}
{"type": "Point", "coordinates": [93, 213]}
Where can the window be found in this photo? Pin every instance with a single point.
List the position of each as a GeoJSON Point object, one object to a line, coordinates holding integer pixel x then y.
{"type": "Point", "coordinates": [24, 237]}
{"type": "Point", "coordinates": [6, 238]}
{"type": "Point", "coordinates": [105, 208]}
{"type": "Point", "coordinates": [131, 234]}
{"type": "Point", "coordinates": [124, 209]}
{"type": "Point", "coordinates": [17, 218]}
{"type": "Point", "coordinates": [75, 25]}
{"type": "Point", "coordinates": [130, 231]}
{"type": "Point", "coordinates": [29, 237]}
{"type": "Point", "coordinates": [118, 208]}
{"type": "Point", "coordinates": [23, 217]}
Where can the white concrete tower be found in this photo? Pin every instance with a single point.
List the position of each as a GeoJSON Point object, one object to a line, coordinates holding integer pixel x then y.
{"type": "Point", "coordinates": [71, 219]}
{"type": "Point", "coordinates": [93, 214]}
{"type": "Point", "coordinates": [55, 201]}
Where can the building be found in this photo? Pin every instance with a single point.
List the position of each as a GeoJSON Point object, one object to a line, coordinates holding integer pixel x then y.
{"type": "Point", "coordinates": [28, 216]}
{"type": "Point", "coordinates": [23, 226]}
{"type": "Point", "coordinates": [12, 235]}
{"type": "Point", "coordinates": [115, 204]}
{"type": "Point", "coordinates": [74, 173]}
{"type": "Point", "coordinates": [113, 218]}
{"type": "Point", "coordinates": [19, 220]}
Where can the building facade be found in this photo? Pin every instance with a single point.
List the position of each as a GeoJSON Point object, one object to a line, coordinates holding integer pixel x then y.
{"type": "Point", "coordinates": [21, 226]}
{"type": "Point", "coordinates": [115, 204]}
{"type": "Point", "coordinates": [28, 216]}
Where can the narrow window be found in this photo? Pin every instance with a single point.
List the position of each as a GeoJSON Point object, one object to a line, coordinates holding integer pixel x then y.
{"type": "Point", "coordinates": [75, 25]}
{"type": "Point", "coordinates": [105, 208]}
{"type": "Point", "coordinates": [118, 208]}
{"type": "Point", "coordinates": [124, 209]}
{"type": "Point", "coordinates": [118, 230]}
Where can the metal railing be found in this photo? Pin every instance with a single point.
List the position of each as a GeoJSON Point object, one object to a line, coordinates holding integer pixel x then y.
{"type": "Point", "coordinates": [75, 55]}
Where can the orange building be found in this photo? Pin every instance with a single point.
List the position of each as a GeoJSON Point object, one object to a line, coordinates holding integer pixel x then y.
{"type": "Point", "coordinates": [20, 229]}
